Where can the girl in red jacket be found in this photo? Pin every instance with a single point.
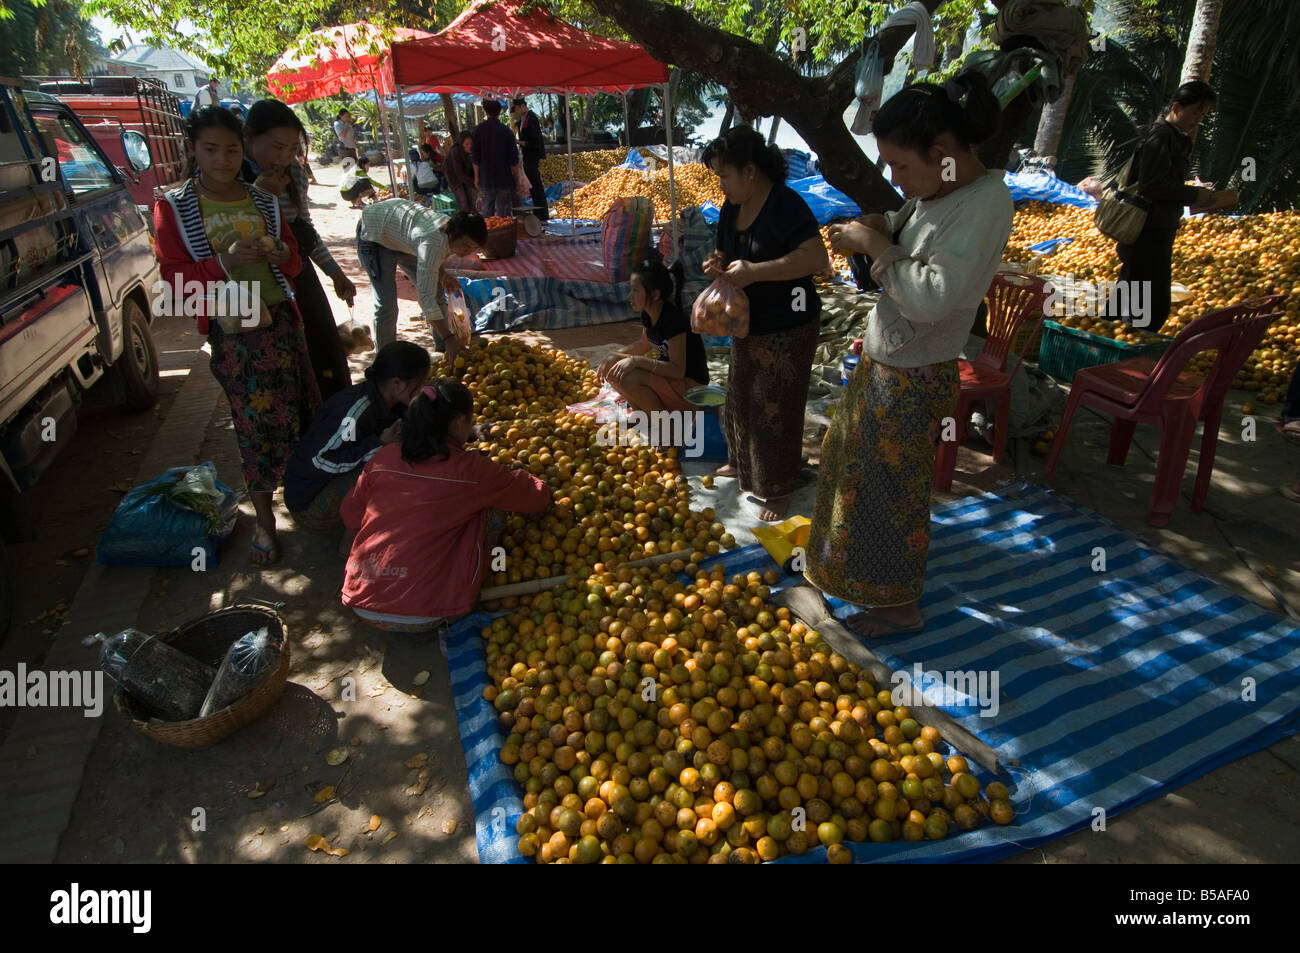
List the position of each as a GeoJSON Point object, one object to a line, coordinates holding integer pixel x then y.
{"type": "Point", "coordinates": [217, 235]}
{"type": "Point", "coordinates": [421, 512]}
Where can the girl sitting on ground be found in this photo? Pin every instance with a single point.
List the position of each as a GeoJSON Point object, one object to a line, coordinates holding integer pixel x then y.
{"type": "Point", "coordinates": [347, 431]}
{"type": "Point", "coordinates": [425, 515]}
{"type": "Point", "coordinates": [427, 181]}
{"type": "Point", "coordinates": [655, 373]}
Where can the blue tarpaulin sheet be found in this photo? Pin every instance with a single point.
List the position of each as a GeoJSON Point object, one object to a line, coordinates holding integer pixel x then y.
{"type": "Point", "coordinates": [1042, 187]}
{"type": "Point", "coordinates": [1113, 688]}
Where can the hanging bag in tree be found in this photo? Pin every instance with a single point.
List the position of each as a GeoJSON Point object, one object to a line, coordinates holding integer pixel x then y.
{"type": "Point", "coordinates": [1121, 213]}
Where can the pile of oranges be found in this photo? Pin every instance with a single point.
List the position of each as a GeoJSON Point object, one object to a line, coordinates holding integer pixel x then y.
{"type": "Point", "coordinates": [695, 185]}
{"type": "Point", "coordinates": [611, 502]}
{"type": "Point", "coordinates": [1221, 261]}
{"type": "Point", "coordinates": [499, 221]}
{"type": "Point", "coordinates": [656, 721]}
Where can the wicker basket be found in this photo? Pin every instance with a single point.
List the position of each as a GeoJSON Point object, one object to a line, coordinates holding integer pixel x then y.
{"type": "Point", "coordinates": [501, 242]}
{"type": "Point", "coordinates": [207, 639]}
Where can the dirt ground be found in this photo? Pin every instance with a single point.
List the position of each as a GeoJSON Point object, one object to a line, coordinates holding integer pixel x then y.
{"type": "Point", "coordinates": [258, 789]}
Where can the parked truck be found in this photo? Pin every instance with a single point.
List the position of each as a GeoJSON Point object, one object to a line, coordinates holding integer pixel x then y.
{"type": "Point", "coordinates": [109, 106]}
{"type": "Point", "coordinates": [77, 270]}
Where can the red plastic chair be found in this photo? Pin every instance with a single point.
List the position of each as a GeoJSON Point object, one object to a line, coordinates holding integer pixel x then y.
{"type": "Point", "coordinates": [1012, 299]}
{"type": "Point", "coordinates": [1135, 391]}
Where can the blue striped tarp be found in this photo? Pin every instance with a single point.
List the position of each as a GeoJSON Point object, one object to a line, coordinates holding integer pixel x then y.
{"type": "Point", "coordinates": [502, 304]}
{"type": "Point", "coordinates": [1115, 685]}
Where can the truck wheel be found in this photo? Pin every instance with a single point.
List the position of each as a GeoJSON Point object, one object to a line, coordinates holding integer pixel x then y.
{"type": "Point", "coordinates": [138, 365]}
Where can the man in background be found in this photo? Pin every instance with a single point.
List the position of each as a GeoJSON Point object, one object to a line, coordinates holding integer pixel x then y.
{"type": "Point", "coordinates": [208, 95]}
{"type": "Point", "coordinates": [533, 147]}
{"type": "Point", "coordinates": [495, 155]}
{"type": "Point", "coordinates": [347, 133]}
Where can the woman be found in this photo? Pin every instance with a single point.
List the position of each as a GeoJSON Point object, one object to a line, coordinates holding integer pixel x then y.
{"type": "Point", "coordinates": [934, 259]}
{"type": "Point", "coordinates": [216, 229]}
{"type": "Point", "coordinates": [421, 516]}
{"type": "Point", "coordinates": [769, 245]}
{"type": "Point", "coordinates": [272, 136]}
{"type": "Point", "coordinates": [347, 431]}
{"type": "Point", "coordinates": [1161, 167]}
{"type": "Point", "coordinates": [426, 178]}
{"type": "Point", "coordinates": [676, 362]}
{"type": "Point", "coordinates": [458, 169]}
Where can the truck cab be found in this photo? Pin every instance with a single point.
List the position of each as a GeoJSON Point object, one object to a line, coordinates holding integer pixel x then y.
{"type": "Point", "coordinates": [77, 270]}
{"type": "Point", "coordinates": [136, 121]}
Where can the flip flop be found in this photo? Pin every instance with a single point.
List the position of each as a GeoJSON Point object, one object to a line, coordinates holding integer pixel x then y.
{"type": "Point", "coordinates": [1290, 431]}
{"type": "Point", "coordinates": [272, 553]}
{"type": "Point", "coordinates": [893, 627]}
{"type": "Point", "coordinates": [1291, 494]}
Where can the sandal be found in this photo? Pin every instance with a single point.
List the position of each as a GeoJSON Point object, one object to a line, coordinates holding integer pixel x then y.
{"type": "Point", "coordinates": [893, 627]}
{"type": "Point", "coordinates": [270, 553]}
{"type": "Point", "coordinates": [1290, 430]}
{"type": "Point", "coordinates": [777, 505]}
{"type": "Point", "coordinates": [1291, 494]}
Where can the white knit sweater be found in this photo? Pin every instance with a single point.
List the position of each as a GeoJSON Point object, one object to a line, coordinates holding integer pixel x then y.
{"type": "Point", "coordinates": [934, 280]}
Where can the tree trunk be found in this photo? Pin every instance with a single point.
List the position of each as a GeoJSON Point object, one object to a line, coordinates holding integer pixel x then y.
{"type": "Point", "coordinates": [1199, 60]}
{"type": "Point", "coordinates": [771, 133]}
{"type": "Point", "coordinates": [1051, 125]}
{"type": "Point", "coordinates": [449, 111]}
{"type": "Point", "coordinates": [726, 118]}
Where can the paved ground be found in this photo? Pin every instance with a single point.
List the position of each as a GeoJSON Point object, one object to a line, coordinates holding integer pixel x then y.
{"type": "Point", "coordinates": [94, 790]}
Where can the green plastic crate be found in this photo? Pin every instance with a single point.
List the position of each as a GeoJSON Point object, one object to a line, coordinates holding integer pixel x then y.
{"type": "Point", "coordinates": [444, 203]}
{"type": "Point", "coordinates": [1063, 351]}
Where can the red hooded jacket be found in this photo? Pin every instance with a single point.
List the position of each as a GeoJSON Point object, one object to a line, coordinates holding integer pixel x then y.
{"type": "Point", "coordinates": [419, 546]}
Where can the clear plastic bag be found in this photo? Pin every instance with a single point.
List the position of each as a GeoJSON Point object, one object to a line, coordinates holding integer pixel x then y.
{"type": "Point", "coordinates": [462, 325]}
{"type": "Point", "coordinates": [721, 309]}
{"type": "Point", "coordinates": [171, 684]}
{"type": "Point", "coordinates": [249, 660]}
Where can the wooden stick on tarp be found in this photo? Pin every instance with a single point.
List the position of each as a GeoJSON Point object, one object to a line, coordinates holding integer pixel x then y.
{"type": "Point", "coordinates": [807, 603]}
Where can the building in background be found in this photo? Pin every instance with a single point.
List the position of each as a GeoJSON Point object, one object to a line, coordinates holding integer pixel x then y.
{"type": "Point", "coordinates": [182, 74]}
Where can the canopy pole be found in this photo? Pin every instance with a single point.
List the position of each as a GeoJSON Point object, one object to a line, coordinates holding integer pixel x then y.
{"type": "Point", "coordinates": [627, 123]}
{"type": "Point", "coordinates": [672, 184]}
{"type": "Point", "coordinates": [406, 152]}
{"type": "Point", "coordinates": [573, 192]}
{"type": "Point", "coordinates": [388, 149]}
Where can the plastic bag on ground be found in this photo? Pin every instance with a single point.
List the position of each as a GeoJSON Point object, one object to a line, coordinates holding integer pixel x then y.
{"type": "Point", "coordinates": [606, 406]}
{"type": "Point", "coordinates": [169, 520]}
{"type": "Point", "coordinates": [249, 660]}
{"type": "Point", "coordinates": [722, 309]}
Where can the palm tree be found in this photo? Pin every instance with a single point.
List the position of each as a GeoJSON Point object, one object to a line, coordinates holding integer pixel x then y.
{"type": "Point", "coordinates": [1256, 72]}
{"type": "Point", "coordinates": [1200, 46]}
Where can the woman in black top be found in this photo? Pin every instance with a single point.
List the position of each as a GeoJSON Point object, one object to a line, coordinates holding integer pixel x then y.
{"type": "Point", "coordinates": [769, 245]}
{"type": "Point", "coordinates": [675, 361]}
{"type": "Point", "coordinates": [1161, 168]}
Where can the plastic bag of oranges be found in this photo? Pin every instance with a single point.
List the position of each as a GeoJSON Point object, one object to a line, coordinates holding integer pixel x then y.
{"type": "Point", "coordinates": [458, 317]}
{"type": "Point", "coordinates": [721, 309]}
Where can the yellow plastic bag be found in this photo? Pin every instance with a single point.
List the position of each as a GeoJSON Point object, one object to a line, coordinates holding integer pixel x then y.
{"type": "Point", "coordinates": [780, 539]}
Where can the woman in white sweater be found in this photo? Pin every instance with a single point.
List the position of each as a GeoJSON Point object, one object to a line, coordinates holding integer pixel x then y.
{"type": "Point", "coordinates": [934, 259]}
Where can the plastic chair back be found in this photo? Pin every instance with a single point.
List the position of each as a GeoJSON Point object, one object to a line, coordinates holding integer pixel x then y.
{"type": "Point", "coordinates": [1012, 299]}
{"type": "Point", "coordinates": [1207, 333]}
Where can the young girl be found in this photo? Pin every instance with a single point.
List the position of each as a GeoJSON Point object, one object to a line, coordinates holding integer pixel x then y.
{"type": "Point", "coordinates": [934, 259]}
{"type": "Point", "coordinates": [420, 512]}
{"type": "Point", "coordinates": [215, 229]}
{"type": "Point", "coordinates": [273, 134]}
{"type": "Point", "coordinates": [656, 372]}
{"type": "Point", "coordinates": [348, 430]}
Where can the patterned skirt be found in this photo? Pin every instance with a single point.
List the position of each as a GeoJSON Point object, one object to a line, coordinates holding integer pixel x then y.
{"type": "Point", "coordinates": [267, 376]}
{"type": "Point", "coordinates": [871, 522]}
{"type": "Point", "coordinates": [767, 390]}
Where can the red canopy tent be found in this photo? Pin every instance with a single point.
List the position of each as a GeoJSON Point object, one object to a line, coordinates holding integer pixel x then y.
{"type": "Point", "coordinates": [495, 49]}
{"type": "Point", "coordinates": [352, 58]}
